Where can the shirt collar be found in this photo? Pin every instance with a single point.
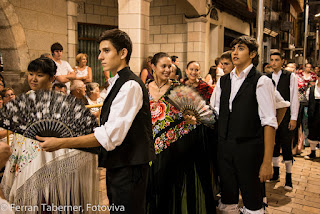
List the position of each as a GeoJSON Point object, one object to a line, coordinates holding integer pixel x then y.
{"type": "Point", "coordinates": [277, 74]}
{"type": "Point", "coordinates": [112, 80]}
{"type": "Point", "coordinates": [243, 73]}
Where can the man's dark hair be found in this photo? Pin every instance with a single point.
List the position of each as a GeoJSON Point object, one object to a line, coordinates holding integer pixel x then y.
{"type": "Point", "coordinates": [59, 85]}
{"type": "Point", "coordinates": [252, 45]}
{"type": "Point", "coordinates": [56, 47]}
{"type": "Point", "coordinates": [174, 58]}
{"type": "Point", "coordinates": [119, 39]}
{"type": "Point", "coordinates": [157, 57]}
{"type": "Point", "coordinates": [226, 55]}
{"type": "Point", "coordinates": [276, 53]}
{"type": "Point", "coordinates": [217, 61]}
{"type": "Point", "coordinates": [44, 65]}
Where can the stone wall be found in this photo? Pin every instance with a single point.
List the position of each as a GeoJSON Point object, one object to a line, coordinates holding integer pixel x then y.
{"type": "Point", "coordinates": [44, 22]}
{"type": "Point", "coordinates": [103, 12]}
{"type": "Point", "coordinates": [168, 29]}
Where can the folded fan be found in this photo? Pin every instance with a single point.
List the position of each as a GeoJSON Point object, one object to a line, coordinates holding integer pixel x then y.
{"type": "Point", "coordinates": [47, 114]}
{"type": "Point", "coordinates": [190, 102]}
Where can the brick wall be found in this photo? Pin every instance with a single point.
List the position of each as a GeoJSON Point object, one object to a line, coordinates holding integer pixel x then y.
{"type": "Point", "coordinates": [168, 29]}
{"type": "Point", "coordinates": [103, 12]}
{"type": "Point", "coordinates": [44, 22]}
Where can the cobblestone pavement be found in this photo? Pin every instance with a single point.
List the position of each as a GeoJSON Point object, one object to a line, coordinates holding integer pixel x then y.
{"type": "Point", "coordinates": [304, 198]}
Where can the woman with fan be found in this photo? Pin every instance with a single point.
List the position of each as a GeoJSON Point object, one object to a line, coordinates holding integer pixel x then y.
{"type": "Point", "coordinates": [204, 147]}
{"type": "Point", "coordinates": [34, 177]}
{"type": "Point", "coordinates": [174, 140]}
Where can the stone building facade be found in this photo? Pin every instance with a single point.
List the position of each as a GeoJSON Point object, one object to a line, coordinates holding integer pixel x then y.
{"type": "Point", "coordinates": [180, 27]}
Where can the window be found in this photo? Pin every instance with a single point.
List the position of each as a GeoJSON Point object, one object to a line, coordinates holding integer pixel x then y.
{"type": "Point", "coordinates": [88, 35]}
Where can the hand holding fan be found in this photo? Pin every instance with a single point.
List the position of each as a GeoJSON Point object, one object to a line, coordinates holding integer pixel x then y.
{"type": "Point", "coordinates": [47, 114]}
{"type": "Point", "coordinates": [190, 102]}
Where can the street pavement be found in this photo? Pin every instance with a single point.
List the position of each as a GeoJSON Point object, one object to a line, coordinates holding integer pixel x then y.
{"type": "Point", "coordinates": [304, 198]}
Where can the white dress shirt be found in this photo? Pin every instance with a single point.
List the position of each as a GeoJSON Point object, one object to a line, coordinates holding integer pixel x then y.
{"type": "Point", "coordinates": [265, 93]}
{"type": "Point", "coordinates": [123, 110]}
{"type": "Point", "coordinates": [63, 68]}
{"type": "Point", "coordinates": [294, 98]}
{"type": "Point", "coordinates": [316, 92]}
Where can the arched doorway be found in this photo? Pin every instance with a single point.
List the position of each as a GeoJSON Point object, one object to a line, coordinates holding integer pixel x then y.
{"type": "Point", "coordinates": [13, 48]}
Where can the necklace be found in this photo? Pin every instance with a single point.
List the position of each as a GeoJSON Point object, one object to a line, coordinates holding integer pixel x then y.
{"type": "Point", "coordinates": [192, 84]}
{"type": "Point", "coordinates": [160, 86]}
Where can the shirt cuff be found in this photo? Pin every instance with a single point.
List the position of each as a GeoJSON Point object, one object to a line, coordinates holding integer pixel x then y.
{"type": "Point", "coordinates": [282, 104]}
{"type": "Point", "coordinates": [272, 121]}
{"type": "Point", "coordinates": [102, 137]}
{"type": "Point", "coordinates": [294, 117]}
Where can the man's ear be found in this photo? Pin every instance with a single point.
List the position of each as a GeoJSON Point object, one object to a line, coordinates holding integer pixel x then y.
{"type": "Point", "coordinates": [123, 53]}
{"type": "Point", "coordinates": [253, 54]}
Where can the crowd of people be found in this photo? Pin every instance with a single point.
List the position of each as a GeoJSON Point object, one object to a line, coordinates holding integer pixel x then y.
{"type": "Point", "coordinates": [159, 160]}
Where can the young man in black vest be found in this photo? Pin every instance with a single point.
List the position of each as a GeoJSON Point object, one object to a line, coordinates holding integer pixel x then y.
{"type": "Point", "coordinates": [286, 83]}
{"type": "Point", "coordinates": [245, 101]}
{"type": "Point", "coordinates": [126, 130]}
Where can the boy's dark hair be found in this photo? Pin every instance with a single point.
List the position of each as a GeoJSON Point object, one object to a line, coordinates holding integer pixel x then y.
{"type": "Point", "coordinates": [174, 58]}
{"type": "Point", "coordinates": [252, 45]}
{"type": "Point", "coordinates": [226, 55]}
{"type": "Point", "coordinates": [44, 65]}
{"type": "Point", "coordinates": [217, 61]}
{"type": "Point", "coordinates": [56, 47]}
{"type": "Point", "coordinates": [158, 56]}
{"type": "Point", "coordinates": [59, 85]}
{"type": "Point", "coordinates": [119, 40]}
{"type": "Point", "coordinates": [276, 53]}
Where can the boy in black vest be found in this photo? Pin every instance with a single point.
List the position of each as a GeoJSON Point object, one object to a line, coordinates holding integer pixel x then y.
{"type": "Point", "coordinates": [287, 85]}
{"type": "Point", "coordinates": [313, 96]}
{"type": "Point", "coordinates": [245, 101]}
{"type": "Point", "coordinates": [126, 130]}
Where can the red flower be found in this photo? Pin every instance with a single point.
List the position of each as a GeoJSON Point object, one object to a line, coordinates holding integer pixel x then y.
{"type": "Point", "coordinates": [157, 111]}
{"type": "Point", "coordinates": [170, 135]}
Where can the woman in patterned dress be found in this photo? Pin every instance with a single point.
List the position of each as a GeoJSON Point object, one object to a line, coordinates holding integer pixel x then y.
{"type": "Point", "coordinates": [39, 179]}
{"type": "Point", "coordinates": [174, 137]}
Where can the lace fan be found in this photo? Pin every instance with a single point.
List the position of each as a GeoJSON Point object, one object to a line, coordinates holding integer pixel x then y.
{"type": "Point", "coordinates": [47, 114]}
{"type": "Point", "coordinates": [190, 102]}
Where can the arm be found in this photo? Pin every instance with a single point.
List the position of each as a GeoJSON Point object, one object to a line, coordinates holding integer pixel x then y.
{"type": "Point", "coordinates": [267, 112]}
{"type": "Point", "coordinates": [215, 97]}
{"type": "Point", "coordinates": [294, 100]}
{"type": "Point", "coordinates": [3, 133]}
{"type": "Point", "coordinates": [89, 77]}
{"type": "Point", "coordinates": [144, 75]}
{"type": "Point", "coordinates": [266, 166]}
{"type": "Point", "coordinates": [208, 78]}
{"type": "Point", "coordinates": [51, 144]}
{"type": "Point", "coordinates": [5, 153]}
{"type": "Point", "coordinates": [124, 109]}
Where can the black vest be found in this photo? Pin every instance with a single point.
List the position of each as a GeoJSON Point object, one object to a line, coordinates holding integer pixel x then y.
{"type": "Point", "coordinates": [312, 103]}
{"type": "Point", "coordinates": [137, 147]}
{"type": "Point", "coordinates": [243, 123]}
{"type": "Point", "coordinates": [284, 89]}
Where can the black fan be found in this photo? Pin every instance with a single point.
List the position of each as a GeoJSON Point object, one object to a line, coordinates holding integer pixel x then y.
{"type": "Point", "coordinates": [47, 114]}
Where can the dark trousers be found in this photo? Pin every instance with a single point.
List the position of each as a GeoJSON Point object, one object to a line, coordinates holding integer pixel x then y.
{"type": "Point", "coordinates": [284, 140]}
{"type": "Point", "coordinates": [239, 166]}
{"type": "Point", "coordinates": [127, 186]}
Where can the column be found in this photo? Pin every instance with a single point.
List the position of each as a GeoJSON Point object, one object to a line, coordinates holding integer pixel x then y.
{"type": "Point", "coordinates": [196, 37]}
{"type": "Point", "coordinates": [134, 20]}
{"type": "Point", "coordinates": [72, 31]}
